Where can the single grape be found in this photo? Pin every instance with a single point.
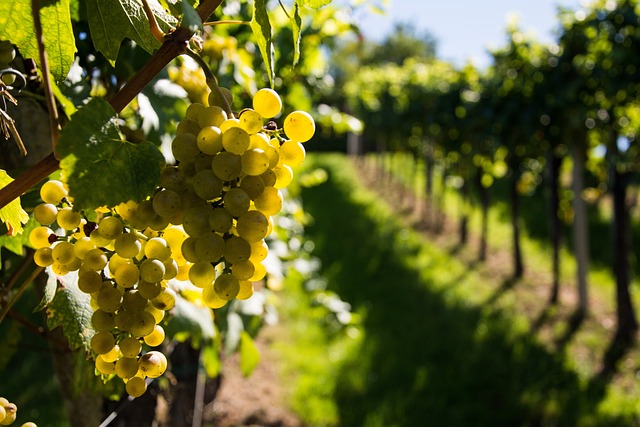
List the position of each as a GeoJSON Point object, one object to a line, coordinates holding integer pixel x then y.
{"type": "Point", "coordinates": [252, 226]}
{"type": "Point", "coordinates": [209, 247]}
{"type": "Point", "coordinates": [236, 249]}
{"type": "Point", "coordinates": [102, 320]}
{"type": "Point", "coordinates": [110, 227]}
{"type": "Point", "coordinates": [260, 272]}
{"type": "Point", "coordinates": [102, 342]}
{"type": "Point", "coordinates": [299, 126]}
{"type": "Point", "coordinates": [254, 162]}
{"type": "Point", "coordinates": [95, 259]}
{"type": "Point", "coordinates": [185, 147]}
{"type": "Point", "coordinates": [127, 275]}
{"type": "Point", "coordinates": [136, 386]}
{"type": "Point", "coordinates": [156, 337]}
{"type": "Point", "coordinates": [126, 367]}
{"type": "Point", "coordinates": [104, 367]}
{"type": "Point", "coordinates": [112, 355]}
{"type": "Point", "coordinates": [42, 257]}
{"type": "Point", "coordinates": [269, 178]}
{"type": "Point", "coordinates": [45, 213]}
{"type": "Point", "coordinates": [269, 201]}
{"type": "Point", "coordinates": [215, 98]}
{"type": "Point", "coordinates": [209, 140]}
{"type": "Point", "coordinates": [267, 102]}
{"type": "Point", "coordinates": [226, 286]}
{"type": "Point", "coordinates": [227, 166]}
{"type": "Point", "coordinates": [69, 219]}
{"type": "Point", "coordinates": [196, 221]}
{"type": "Point", "coordinates": [153, 364]}
{"type": "Point", "coordinates": [149, 290]}
{"type": "Point", "coordinates": [259, 251]}
{"type": "Point", "coordinates": [127, 245]}
{"type": "Point", "coordinates": [243, 270]}
{"type": "Point", "coordinates": [193, 110]}
{"type": "Point", "coordinates": [211, 298]}
{"type": "Point", "coordinates": [207, 185]}
{"type": "Point", "coordinates": [211, 116]}
{"type": "Point", "coordinates": [188, 126]}
{"type": "Point", "coordinates": [235, 140]}
{"type": "Point", "coordinates": [236, 201]}
{"type": "Point", "coordinates": [89, 281]}
{"type": "Point", "coordinates": [130, 346]}
{"type": "Point", "coordinates": [63, 252]}
{"type": "Point", "coordinates": [165, 300]}
{"type": "Point", "coordinates": [157, 248]}
{"type": "Point", "coordinates": [292, 153]}
{"type": "Point", "coordinates": [252, 185]}
{"type": "Point", "coordinates": [251, 121]}
{"type": "Point", "coordinates": [202, 273]}
{"type": "Point", "coordinates": [39, 237]}
{"type": "Point", "coordinates": [166, 203]}
{"type": "Point", "coordinates": [246, 290]}
{"type": "Point", "coordinates": [284, 176]}
{"type": "Point", "coordinates": [152, 270]}
{"type": "Point", "coordinates": [109, 298]}
{"type": "Point", "coordinates": [53, 191]}
{"type": "Point", "coordinates": [143, 324]}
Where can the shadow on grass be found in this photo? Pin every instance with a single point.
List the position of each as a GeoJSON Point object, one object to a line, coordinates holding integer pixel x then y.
{"type": "Point", "coordinates": [429, 358]}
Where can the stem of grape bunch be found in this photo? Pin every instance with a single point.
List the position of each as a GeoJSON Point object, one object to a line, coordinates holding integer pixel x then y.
{"type": "Point", "coordinates": [174, 44]}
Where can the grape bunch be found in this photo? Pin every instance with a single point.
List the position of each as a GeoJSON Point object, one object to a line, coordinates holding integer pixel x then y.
{"type": "Point", "coordinates": [206, 223]}
{"type": "Point", "coordinates": [9, 412]}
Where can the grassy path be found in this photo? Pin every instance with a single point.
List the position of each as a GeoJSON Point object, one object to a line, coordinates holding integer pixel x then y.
{"type": "Point", "coordinates": [443, 344]}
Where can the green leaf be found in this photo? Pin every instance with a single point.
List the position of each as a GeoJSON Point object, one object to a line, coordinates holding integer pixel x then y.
{"type": "Point", "coordinates": [249, 354]}
{"type": "Point", "coordinates": [296, 24]}
{"type": "Point", "coordinates": [190, 18]}
{"type": "Point", "coordinates": [102, 169]}
{"type": "Point", "coordinates": [111, 21]}
{"type": "Point", "coordinates": [210, 357]}
{"type": "Point", "coordinates": [261, 28]}
{"type": "Point", "coordinates": [191, 321]}
{"type": "Point", "coordinates": [12, 214]}
{"type": "Point", "coordinates": [314, 4]}
{"type": "Point", "coordinates": [49, 292]}
{"type": "Point", "coordinates": [16, 243]}
{"type": "Point", "coordinates": [16, 25]}
{"type": "Point", "coordinates": [71, 309]}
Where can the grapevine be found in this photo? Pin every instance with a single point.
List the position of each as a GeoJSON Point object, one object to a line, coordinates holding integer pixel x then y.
{"type": "Point", "coordinates": [205, 225]}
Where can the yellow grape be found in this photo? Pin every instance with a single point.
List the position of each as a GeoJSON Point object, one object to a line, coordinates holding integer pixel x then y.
{"type": "Point", "coordinates": [45, 213]}
{"type": "Point", "coordinates": [267, 103]}
{"type": "Point", "coordinates": [53, 192]}
{"type": "Point", "coordinates": [299, 126]}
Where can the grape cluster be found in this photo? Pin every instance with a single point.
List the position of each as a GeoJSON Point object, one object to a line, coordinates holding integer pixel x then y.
{"type": "Point", "coordinates": [9, 412]}
{"type": "Point", "coordinates": [206, 224]}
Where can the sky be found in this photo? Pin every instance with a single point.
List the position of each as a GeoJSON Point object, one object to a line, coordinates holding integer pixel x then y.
{"type": "Point", "coordinates": [465, 29]}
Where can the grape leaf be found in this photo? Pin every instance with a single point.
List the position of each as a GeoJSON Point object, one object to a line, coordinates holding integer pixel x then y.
{"type": "Point", "coordinates": [190, 18]}
{"type": "Point", "coordinates": [12, 214]}
{"type": "Point", "coordinates": [191, 321]}
{"type": "Point", "coordinates": [261, 28]}
{"type": "Point", "coordinates": [71, 309]}
{"type": "Point", "coordinates": [210, 356]}
{"type": "Point", "coordinates": [111, 21]}
{"type": "Point", "coordinates": [100, 168]}
{"type": "Point", "coordinates": [249, 354]}
{"type": "Point", "coordinates": [296, 24]}
{"type": "Point", "coordinates": [16, 25]}
{"type": "Point", "coordinates": [15, 243]}
{"type": "Point", "coordinates": [49, 291]}
{"type": "Point", "coordinates": [314, 4]}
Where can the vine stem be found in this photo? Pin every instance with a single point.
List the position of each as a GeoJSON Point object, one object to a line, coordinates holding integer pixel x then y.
{"type": "Point", "coordinates": [174, 45]}
{"type": "Point", "coordinates": [54, 122]}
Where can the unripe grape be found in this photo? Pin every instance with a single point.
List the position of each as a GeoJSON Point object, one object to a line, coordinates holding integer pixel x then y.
{"type": "Point", "coordinates": [126, 367]}
{"type": "Point", "coordinates": [53, 192]}
{"type": "Point", "coordinates": [226, 286]}
{"type": "Point", "coordinates": [227, 166]}
{"type": "Point", "coordinates": [45, 213]}
{"type": "Point", "coordinates": [136, 386]}
{"type": "Point", "coordinates": [153, 364]}
{"type": "Point", "coordinates": [267, 102]}
{"type": "Point", "coordinates": [235, 140]}
{"type": "Point", "coordinates": [69, 219]}
{"type": "Point", "coordinates": [156, 337]}
{"type": "Point", "coordinates": [102, 342]}
{"type": "Point", "coordinates": [299, 126]}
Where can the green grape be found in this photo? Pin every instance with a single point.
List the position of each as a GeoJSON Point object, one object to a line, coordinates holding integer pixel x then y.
{"type": "Point", "coordinates": [215, 99]}
{"type": "Point", "coordinates": [130, 346]}
{"type": "Point", "coordinates": [127, 245]}
{"type": "Point", "coordinates": [188, 127]}
{"type": "Point", "coordinates": [252, 185]}
{"type": "Point", "coordinates": [235, 140]}
{"type": "Point", "coordinates": [202, 273]}
{"type": "Point", "coordinates": [29, 424]}
{"type": "Point", "coordinates": [207, 185]}
{"type": "Point", "coordinates": [189, 249]}
{"type": "Point", "coordinates": [254, 162]}
{"type": "Point", "coordinates": [143, 324]}
{"type": "Point", "coordinates": [124, 319]}
{"type": "Point", "coordinates": [251, 121]}
{"type": "Point", "coordinates": [185, 147]}
{"type": "Point", "coordinates": [166, 203]}
{"type": "Point", "coordinates": [104, 367]}
{"type": "Point", "coordinates": [102, 320]}
{"type": "Point", "coordinates": [228, 124]}
{"type": "Point", "coordinates": [193, 110]}
{"type": "Point", "coordinates": [165, 300]}
{"type": "Point", "coordinates": [110, 227]}
{"type": "Point", "coordinates": [284, 176]}
{"type": "Point", "coordinates": [292, 153]}
{"type": "Point", "coordinates": [220, 220]}
{"type": "Point", "coordinates": [209, 247]}
{"type": "Point", "coordinates": [236, 201]}
{"type": "Point", "coordinates": [82, 246]}
{"type": "Point", "coordinates": [95, 259]}
{"type": "Point", "coordinates": [156, 312]}
{"type": "Point", "coordinates": [149, 290]}
{"type": "Point", "coordinates": [252, 226]}
{"type": "Point", "coordinates": [136, 387]}
{"type": "Point", "coordinates": [267, 103]}
{"type": "Point", "coordinates": [260, 272]}
{"type": "Point", "coordinates": [7, 52]}
{"type": "Point", "coordinates": [126, 367]}
{"type": "Point", "coordinates": [112, 355]}
{"type": "Point", "coordinates": [98, 239]}
{"type": "Point", "coordinates": [69, 219]}
{"type": "Point", "coordinates": [8, 79]}
{"type": "Point", "coordinates": [42, 257]}
{"type": "Point", "coordinates": [259, 140]}
{"type": "Point", "coordinates": [115, 262]}
{"type": "Point", "coordinates": [259, 251]}
{"type": "Point", "coordinates": [156, 337]}
{"type": "Point", "coordinates": [89, 281]}
{"type": "Point", "coordinates": [236, 249]}
{"type": "Point", "coordinates": [102, 342]}
{"type": "Point", "coordinates": [152, 270]}
{"type": "Point", "coordinates": [270, 201]}
{"type": "Point", "coordinates": [170, 269]}
{"type": "Point", "coordinates": [269, 178]}
{"type": "Point", "coordinates": [53, 192]}
{"type": "Point", "coordinates": [211, 116]}
{"type": "Point", "coordinates": [109, 299]}
{"type": "Point", "coordinates": [127, 275]}
{"type": "Point", "coordinates": [11, 413]}
{"type": "Point", "coordinates": [3, 414]}
{"type": "Point", "coordinates": [243, 270]}
{"type": "Point", "coordinates": [196, 220]}
{"type": "Point", "coordinates": [39, 237]}
{"type": "Point", "coordinates": [211, 298]}
{"type": "Point", "coordinates": [226, 286]}
{"type": "Point", "coordinates": [63, 252]}
{"type": "Point", "coordinates": [157, 247]}
{"type": "Point", "coordinates": [174, 236]}
{"type": "Point", "coordinates": [299, 126]}
{"type": "Point", "coordinates": [172, 178]}
{"type": "Point", "coordinates": [209, 140]}
{"type": "Point", "coordinates": [227, 166]}
{"type": "Point", "coordinates": [153, 364]}
{"type": "Point", "coordinates": [246, 290]}
{"type": "Point", "coordinates": [45, 213]}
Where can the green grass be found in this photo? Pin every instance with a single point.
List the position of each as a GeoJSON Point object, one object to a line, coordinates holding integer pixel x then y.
{"type": "Point", "coordinates": [436, 349]}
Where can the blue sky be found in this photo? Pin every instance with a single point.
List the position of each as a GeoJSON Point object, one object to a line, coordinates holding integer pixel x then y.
{"type": "Point", "coordinates": [466, 28]}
